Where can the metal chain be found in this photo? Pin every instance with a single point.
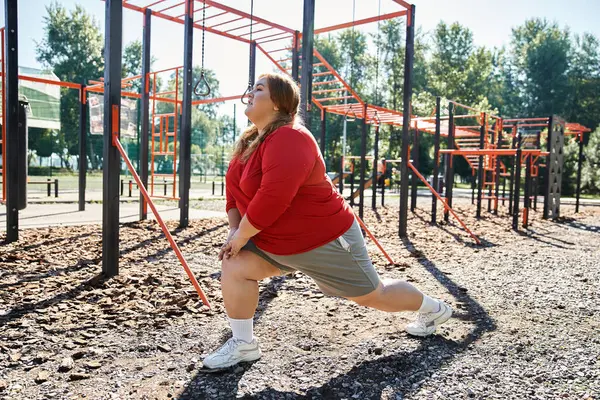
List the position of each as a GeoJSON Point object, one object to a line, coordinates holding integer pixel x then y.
{"type": "Point", "coordinates": [203, 32]}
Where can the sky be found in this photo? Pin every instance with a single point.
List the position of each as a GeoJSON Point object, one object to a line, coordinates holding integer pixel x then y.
{"type": "Point", "coordinates": [489, 20]}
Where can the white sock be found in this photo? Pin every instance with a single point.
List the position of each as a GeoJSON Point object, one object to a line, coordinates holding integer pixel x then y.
{"type": "Point", "coordinates": [429, 305]}
{"type": "Point", "coordinates": [243, 329]}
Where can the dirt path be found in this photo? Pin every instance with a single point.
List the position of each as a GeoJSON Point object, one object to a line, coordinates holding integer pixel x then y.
{"type": "Point", "coordinates": [526, 321]}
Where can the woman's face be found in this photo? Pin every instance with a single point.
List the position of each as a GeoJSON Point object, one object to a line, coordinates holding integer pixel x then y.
{"type": "Point", "coordinates": [260, 106]}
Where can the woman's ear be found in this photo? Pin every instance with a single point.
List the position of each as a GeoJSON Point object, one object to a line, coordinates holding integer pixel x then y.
{"type": "Point", "coordinates": [275, 108]}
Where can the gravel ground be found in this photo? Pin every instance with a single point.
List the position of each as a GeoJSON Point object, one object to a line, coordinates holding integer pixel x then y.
{"type": "Point", "coordinates": [525, 326]}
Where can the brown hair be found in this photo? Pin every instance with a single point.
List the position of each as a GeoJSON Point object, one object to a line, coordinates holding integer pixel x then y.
{"type": "Point", "coordinates": [285, 94]}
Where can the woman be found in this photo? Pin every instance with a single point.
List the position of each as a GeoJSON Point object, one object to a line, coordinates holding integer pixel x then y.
{"type": "Point", "coordinates": [285, 215]}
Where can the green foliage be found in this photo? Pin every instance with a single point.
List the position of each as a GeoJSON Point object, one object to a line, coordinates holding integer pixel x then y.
{"type": "Point", "coordinates": [591, 166]}
{"type": "Point", "coordinates": [72, 48]}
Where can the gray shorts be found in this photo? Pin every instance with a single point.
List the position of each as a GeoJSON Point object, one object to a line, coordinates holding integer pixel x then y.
{"type": "Point", "coordinates": [341, 267]}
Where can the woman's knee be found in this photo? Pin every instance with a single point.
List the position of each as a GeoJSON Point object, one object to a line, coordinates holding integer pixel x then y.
{"type": "Point", "coordinates": [369, 299]}
{"type": "Point", "coordinates": [247, 265]}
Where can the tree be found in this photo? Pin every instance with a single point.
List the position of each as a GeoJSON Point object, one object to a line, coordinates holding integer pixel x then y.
{"type": "Point", "coordinates": [540, 53]}
{"type": "Point", "coordinates": [583, 104]}
{"type": "Point", "coordinates": [72, 48]}
{"type": "Point", "coordinates": [591, 166]}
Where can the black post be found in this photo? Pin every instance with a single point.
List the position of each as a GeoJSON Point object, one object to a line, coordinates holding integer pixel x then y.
{"type": "Point", "coordinates": [22, 158]}
{"type": "Point", "coordinates": [536, 179]}
{"type": "Point", "coordinates": [296, 56]}
{"type": "Point", "coordinates": [112, 159]}
{"type": "Point", "coordinates": [185, 149]}
{"type": "Point", "coordinates": [307, 60]}
{"type": "Point", "coordinates": [375, 169]}
{"type": "Point", "coordinates": [83, 129]}
{"type": "Point", "coordinates": [436, 158]}
{"type": "Point", "coordinates": [352, 182]}
{"type": "Point", "coordinates": [415, 158]}
{"type": "Point", "coordinates": [323, 134]}
{"type": "Point", "coordinates": [49, 187]}
{"type": "Point", "coordinates": [480, 167]}
{"type": "Point", "coordinates": [450, 163]}
{"type": "Point", "coordinates": [491, 173]}
{"type": "Point", "coordinates": [512, 175]}
{"type": "Point", "coordinates": [56, 187]}
{"type": "Point", "coordinates": [10, 170]}
{"type": "Point", "coordinates": [497, 177]}
{"type": "Point", "coordinates": [130, 187]}
{"type": "Point", "coordinates": [383, 186]}
{"type": "Point", "coordinates": [549, 138]}
{"type": "Point", "coordinates": [363, 163]}
{"type": "Point", "coordinates": [407, 96]}
{"type": "Point", "coordinates": [517, 192]}
{"type": "Point", "coordinates": [341, 181]}
{"type": "Point", "coordinates": [145, 109]}
{"type": "Point", "coordinates": [473, 186]}
{"type": "Point", "coordinates": [527, 202]}
{"type": "Point", "coordinates": [579, 164]}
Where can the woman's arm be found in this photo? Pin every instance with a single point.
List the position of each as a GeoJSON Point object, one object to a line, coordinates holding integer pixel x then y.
{"type": "Point", "coordinates": [234, 217]}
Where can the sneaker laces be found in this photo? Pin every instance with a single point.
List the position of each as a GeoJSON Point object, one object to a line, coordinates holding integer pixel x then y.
{"type": "Point", "coordinates": [228, 346]}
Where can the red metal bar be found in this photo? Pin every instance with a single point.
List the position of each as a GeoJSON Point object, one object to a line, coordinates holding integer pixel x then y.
{"type": "Point", "coordinates": [260, 30]}
{"type": "Point", "coordinates": [442, 200]}
{"type": "Point", "coordinates": [360, 22]}
{"type": "Point", "coordinates": [48, 81]}
{"type": "Point", "coordinates": [159, 219]}
{"type": "Point", "coordinates": [241, 27]}
{"type": "Point", "coordinates": [338, 77]}
{"type": "Point", "coordinates": [212, 16]}
{"type": "Point", "coordinates": [170, 7]}
{"type": "Point", "coordinates": [327, 83]}
{"type": "Point", "coordinates": [226, 22]}
{"type": "Point", "coordinates": [360, 221]}
{"type": "Point", "coordinates": [275, 39]}
{"type": "Point", "coordinates": [333, 98]}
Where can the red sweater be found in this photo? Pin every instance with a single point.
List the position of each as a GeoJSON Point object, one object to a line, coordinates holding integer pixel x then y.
{"type": "Point", "coordinates": [284, 191]}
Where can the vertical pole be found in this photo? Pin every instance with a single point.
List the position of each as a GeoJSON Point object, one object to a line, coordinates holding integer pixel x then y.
{"type": "Point", "coordinates": [375, 168]}
{"type": "Point", "coordinates": [352, 182]}
{"type": "Point", "coordinates": [408, 75]}
{"type": "Point", "coordinates": [234, 122]}
{"type": "Point", "coordinates": [450, 163]}
{"type": "Point", "coordinates": [112, 159]}
{"type": "Point", "coordinates": [516, 200]}
{"type": "Point", "coordinates": [549, 138]}
{"type": "Point", "coordinates": [436, 159]}
{"type": "Point", "coordinates": [493, 159]}
{"type": "Point", "coordinates": [512, 172]}
{"type": "Point", "coordinates": [579, 164]}
{"type": "Point", "coordinates": [83, 129]}
{"type": "Point", "coordinates": [22, 155]}
{"type": "Point", "coordinates": [341, 181]}
{"type": "Point", "coordinates": [307, 60]}
{"type": "Point", "coordinates": [473, 186]}
{"type": "Point", "coordinates": [185, 149]}
{"type": "Point", "coordinates": [527, 199]}
{"type": "Point", "coordinates": [497, 172]}
{"type": "Point", "coordinates": [296, 56]}
{"type": "Point", "coordinates": [383, 186]}
{"type": "Point", "coordinates": [145, 110]}
{"type": "Point", "coordinates": [536, 179]}
{"type": "Point", "coordinates": [10, 170]}
{"type": "Point", "coordinates": [363, 162]}
{"type": "Point", "coordinates": [323, 134]}
{"type": "Point", "coordinates": [480, 166]}
{"type": "Point", "coordinates": [415, 157]}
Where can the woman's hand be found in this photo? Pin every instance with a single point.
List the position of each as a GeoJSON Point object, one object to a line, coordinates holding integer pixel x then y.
{"type": "Point", "coordinates": [233, 247]}
{"type": "Point", "coordinates": [232, 232]}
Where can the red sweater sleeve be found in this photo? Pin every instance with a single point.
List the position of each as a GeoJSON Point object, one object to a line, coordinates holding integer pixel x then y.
{"type": "Point", "coordinates": [288, 159]}
{"type": "Point", "coordinates": [230, 200]}
{"type": "Point", "coordinates": [228, 195]}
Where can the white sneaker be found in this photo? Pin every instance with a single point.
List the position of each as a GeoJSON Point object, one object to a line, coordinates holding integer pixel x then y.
{"type": "Point", "coordinates": [427, 323]}
{"type": "Point", "coordinates": [232, 352]}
